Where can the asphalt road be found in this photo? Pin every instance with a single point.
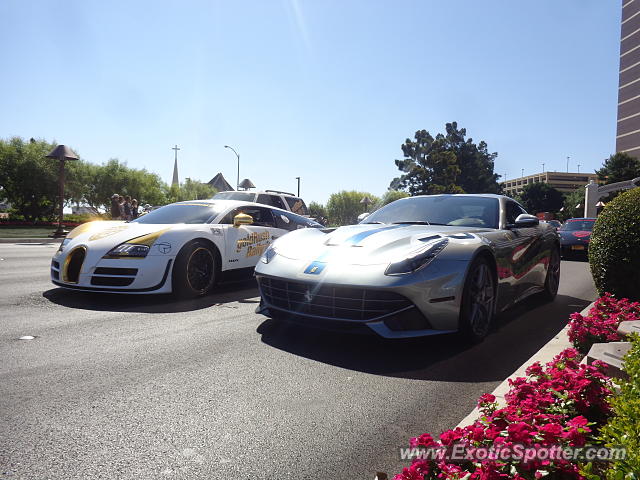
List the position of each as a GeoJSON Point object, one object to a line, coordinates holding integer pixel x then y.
{"type": "Point", "coordinates": [147, 387]}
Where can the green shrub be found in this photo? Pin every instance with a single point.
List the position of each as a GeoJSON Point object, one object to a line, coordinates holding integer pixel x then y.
{"type": "Point", "coordinates": [614, 251]}
{"type": "Point", "coordinates": [623, 428]}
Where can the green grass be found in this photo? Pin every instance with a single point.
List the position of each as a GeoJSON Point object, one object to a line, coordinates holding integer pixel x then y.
{"type": "Point", "coordinates": [26, 232]}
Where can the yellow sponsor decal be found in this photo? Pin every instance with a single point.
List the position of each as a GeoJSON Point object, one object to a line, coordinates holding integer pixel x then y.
{"type": "Point", "coordinates": [85, 227]}
{"type": "Point", "coordinates": [149, 238]}
{"type": "Point", "coordinates": [256, 243]}
{"type": "Point", "coordinates": [108, 232]}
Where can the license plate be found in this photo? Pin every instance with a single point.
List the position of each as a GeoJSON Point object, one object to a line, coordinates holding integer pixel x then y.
{"type": "Point", "coordinates": [577, 247]}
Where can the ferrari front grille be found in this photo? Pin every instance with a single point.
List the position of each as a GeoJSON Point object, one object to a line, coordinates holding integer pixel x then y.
{"type": "Point", "coordinates": [337, 302]}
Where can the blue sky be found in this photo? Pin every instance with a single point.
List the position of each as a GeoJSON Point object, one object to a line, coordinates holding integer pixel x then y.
{"type": "Point", "coordinates": [326, 90]}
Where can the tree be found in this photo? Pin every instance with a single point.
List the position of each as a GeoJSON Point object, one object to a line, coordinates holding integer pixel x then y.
{"type": "Point", "coordinates": [618, 168]}
{"type": "Point", "coordinates": [541, 197]}
{"type": "Point", "coordinates": [29, 180]}
{"type": "Point", "coordinates": [344, 207]}
{"type": "Point", "coordinates": [571, 202]}
{"type": "Point", "coordinates": [446, 164]}
{"type": "Point", "coordinates": [317, 211]}
{"type": "Point", "coordinates": [391, 196]}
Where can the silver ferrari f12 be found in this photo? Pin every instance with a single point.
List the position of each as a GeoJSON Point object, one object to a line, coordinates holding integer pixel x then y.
{"type": "Point", "coordinates": [418, 266]}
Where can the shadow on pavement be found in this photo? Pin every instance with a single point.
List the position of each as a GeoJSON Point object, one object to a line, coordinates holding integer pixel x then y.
{"type": "Point", "coordinates": [243, 291]}
{"type": "Point", "coordinates": [518, 334]}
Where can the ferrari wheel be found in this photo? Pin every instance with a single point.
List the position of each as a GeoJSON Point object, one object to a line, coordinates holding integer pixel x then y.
{"type": "Point", "coordinates": [194, 273]}
{"type": "Point", "coordinates": [552, 281]}
{"type": "Point", "coordinates": [478, 301]}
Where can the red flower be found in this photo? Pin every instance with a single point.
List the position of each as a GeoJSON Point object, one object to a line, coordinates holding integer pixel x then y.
{"type": "Point", "coordinates": [519, 432]}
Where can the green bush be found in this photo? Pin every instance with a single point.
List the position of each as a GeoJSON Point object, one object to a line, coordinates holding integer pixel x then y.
{"type": "Point", "coordinates": [623, 429]}
{"type": "Point", "coordinates": [614, 251]}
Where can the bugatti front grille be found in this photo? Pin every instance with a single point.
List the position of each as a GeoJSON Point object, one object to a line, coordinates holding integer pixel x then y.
{"type": "Point", "coordinates": [347, 303]}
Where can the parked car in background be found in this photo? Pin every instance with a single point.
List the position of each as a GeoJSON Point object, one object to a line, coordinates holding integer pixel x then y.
{"type": "Point", "coordinates": [554, 223]}
{"type": "Point", "coordinates": [418, 266]}
{"type": "Point", "coordinates": [274, 198]}
{"type": "Point", "coordinates": [183, 247]}
{"type": "Point", "coordinates": [575, 235]}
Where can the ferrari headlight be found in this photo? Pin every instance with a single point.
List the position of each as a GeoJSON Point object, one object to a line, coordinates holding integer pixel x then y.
{"type": "Point", "coordinates": [418, 260]}
{"type": "Point", "coordinates": [268, 255]}
{"type": "Point", "coordinates": [129, 250]}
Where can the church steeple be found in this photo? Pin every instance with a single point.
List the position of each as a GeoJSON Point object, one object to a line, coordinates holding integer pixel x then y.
{"type": "Point", "coordinates": [175, 180]}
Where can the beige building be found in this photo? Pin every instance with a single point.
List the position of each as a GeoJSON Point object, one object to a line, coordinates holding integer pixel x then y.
{"type": "Point", "coordinates": [566, 182]}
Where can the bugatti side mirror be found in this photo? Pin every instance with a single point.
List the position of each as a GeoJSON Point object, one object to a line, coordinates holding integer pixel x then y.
{"type": "Point", "coordinates": [242, 219]}
{"type": "Point", "coordinates": [524, 220]}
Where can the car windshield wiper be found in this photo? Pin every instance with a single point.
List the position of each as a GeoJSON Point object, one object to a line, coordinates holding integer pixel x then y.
{"type": "Point", "coordinates": [414, 222]}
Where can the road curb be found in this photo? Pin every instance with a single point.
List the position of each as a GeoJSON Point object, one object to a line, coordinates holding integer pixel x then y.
{"type": "Point", "coordinates": [30, 240]}
{"type": "Point", "coordinates": [556, 345]}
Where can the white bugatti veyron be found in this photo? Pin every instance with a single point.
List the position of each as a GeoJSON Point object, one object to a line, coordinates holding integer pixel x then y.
{"type": "Point", "coordinates": [184, 247]}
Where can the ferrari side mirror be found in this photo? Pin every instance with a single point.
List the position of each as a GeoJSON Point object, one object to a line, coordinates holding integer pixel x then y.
{"type": "Point", "coordinates": [525, 220]}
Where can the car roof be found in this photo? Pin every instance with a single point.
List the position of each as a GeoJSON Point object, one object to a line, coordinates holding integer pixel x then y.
{"type": "Point", "coordinates": [260, 192]}
{"type": "Point", "coordinates": [485, 195]}
{"type": "Point", "coordinates": [233, 203]}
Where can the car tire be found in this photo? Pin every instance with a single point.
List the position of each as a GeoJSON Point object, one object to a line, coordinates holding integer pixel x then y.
{"type": "Point", "coordinates": [552, 280]}
{"type": "Point", "coordinates": [195, 270]}
{"type": "Point", "coordinates": [478, 301]}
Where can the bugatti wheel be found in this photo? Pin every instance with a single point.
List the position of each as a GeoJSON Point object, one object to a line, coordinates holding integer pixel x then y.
{"type": "Point", "coordinates": [195, 270]}
{"type": "Point", "coordinates": [478, 301]}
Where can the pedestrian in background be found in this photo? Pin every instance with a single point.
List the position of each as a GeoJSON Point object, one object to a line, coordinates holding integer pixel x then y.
{"type": "Point", "coordinates": [115, 207]}
{"type": "Point", "coordinates": [121, 207]}
{"type": "Point", "coordinates": [134, 209]}
{"type": "Point", "coordinates": [127, 208]}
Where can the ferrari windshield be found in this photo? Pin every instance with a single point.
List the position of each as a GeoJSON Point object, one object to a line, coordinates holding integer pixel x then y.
{"type": "Point", "coordinates": [578, 225]}
{"type": "Point", "coordinates": [451, 210]}
{"type": "Point", "coordinates": [182, 213]}
{"type": "Point", "coordinates": [244, 196]}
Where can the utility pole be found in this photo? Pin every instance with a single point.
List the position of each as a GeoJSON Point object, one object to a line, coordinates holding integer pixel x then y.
{"type": "Point", "coordinates": [578, 168]}
{"type": "Point", "coordinates": [568, 164]}
{"type": "Point", "coordinates": [542, 167]}
{"type": "Point", "coordinates": [298, 178]}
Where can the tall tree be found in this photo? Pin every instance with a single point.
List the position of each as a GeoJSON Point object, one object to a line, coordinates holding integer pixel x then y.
{"type": "Point", "coordinates": [448, 163]}
{"type": "Point", "coordinates": [618, 168]}
{"type": "Point", "coordinates": [344, 207]}
{"type": "Point", "coordinates": [540, 197]}
{"type": "Point", "coordinates": [318, 211]}
{"type": "Point", "coordinates": [391, 196]}
{"type": "Point", "coordinates": [573, 205]}
{"type": "Point", "coordinates": [28, 179]}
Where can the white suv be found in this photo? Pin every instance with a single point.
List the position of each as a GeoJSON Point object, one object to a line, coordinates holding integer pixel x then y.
{"type": "Point", "coordinates": [283, 200]}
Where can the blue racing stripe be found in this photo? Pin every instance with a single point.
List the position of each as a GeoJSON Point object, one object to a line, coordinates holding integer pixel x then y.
{"type": "Point", "coordinates": [357, 238]}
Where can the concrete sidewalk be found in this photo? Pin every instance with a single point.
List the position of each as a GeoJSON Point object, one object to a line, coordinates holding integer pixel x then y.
{"type": "Point", "coordinates": [31, 240]}
{"type": "Point", "coordinates": [556, 345]}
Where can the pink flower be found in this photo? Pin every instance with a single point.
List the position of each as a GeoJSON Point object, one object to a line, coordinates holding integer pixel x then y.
{"type": "Point", "coordinates": [519, 432]}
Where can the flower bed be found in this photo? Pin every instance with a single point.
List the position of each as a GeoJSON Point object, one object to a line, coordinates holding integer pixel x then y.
{"type": "Point", "coordinates": [561, 404]}
{"type": "Point", "coordinates": [602, 321]}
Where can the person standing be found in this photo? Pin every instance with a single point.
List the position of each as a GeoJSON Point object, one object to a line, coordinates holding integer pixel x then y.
{"type": "Point", "coordinates": [121, 207]}
{"type": "Point", "coordinates": [115, 207]}
{"type": "Point", "coordinates": [134, 209]}
{"type": "Point", "coordinates": [127, 208]}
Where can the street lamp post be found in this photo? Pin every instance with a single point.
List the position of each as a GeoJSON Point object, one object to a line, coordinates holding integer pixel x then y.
{"type": "Point", "coordinates": [238, 177]}
{"type": "Point", "coordinates": [298, 178]}
{"type": "Point", "coordinates": [568, 164]}
{"type": "Point", "coordinates": [62, 153]}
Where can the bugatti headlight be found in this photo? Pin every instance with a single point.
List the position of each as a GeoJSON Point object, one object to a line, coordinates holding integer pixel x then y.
{"type": "Point", "coordinates": [129, 250]}
{"type": "Point", "coordinates": [64, 243]}
{"type": "Point", "coordinates": [268, 255]}
{"type": "Point", "coordinates": [418, 260]}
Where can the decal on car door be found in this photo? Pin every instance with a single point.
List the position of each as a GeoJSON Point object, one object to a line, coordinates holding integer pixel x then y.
{"type": "Point", "coordinates": [255, 243]}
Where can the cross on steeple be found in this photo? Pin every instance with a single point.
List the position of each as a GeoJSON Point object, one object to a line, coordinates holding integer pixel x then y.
{"type": "Point", "coordinates": [175, 168]}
